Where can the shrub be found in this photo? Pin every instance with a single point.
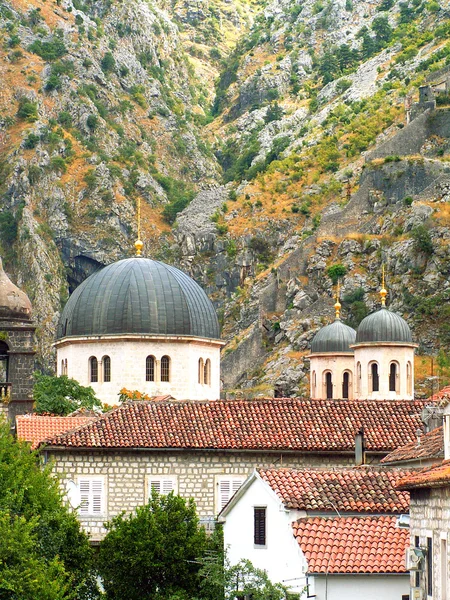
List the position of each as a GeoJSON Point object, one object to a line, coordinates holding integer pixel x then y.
{"type": "Point", "coordinates": [92, 122]}
{"type": "Point", "coordinates": [335, 272]}
{"type": "Point", "coordinates": [407, 201]}
{"type": "Point", "coordinates": [27, 110]}
{"type": "Point", "coordinates": [57, 163]}
{"type": "Point", "coordinates": [31, 141]}
{"type": "Point", "coordinates": [65, 118]}
{"type": "Point", "coordinates": [422, 240]}
{"type": "Point", "coordinates": [108, 64]}
{"type": "Point", "coordinates": [48, 50]}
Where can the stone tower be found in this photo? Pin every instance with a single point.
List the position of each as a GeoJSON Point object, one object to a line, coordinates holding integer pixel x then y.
{"type": "Point", "coordinates": [16, 349]}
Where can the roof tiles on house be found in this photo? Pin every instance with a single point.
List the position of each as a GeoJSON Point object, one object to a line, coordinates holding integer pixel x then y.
{"type": "Point", "coordinates": [275, 424]}
{"type": "Point", "coordinates": [431, 446]}
{"type": "Point", "coordinates": [36, 428]}
{"type": "Point", "coordinates": [438, 476]}
{"type": "Point", "coordinates": [352, 544]}
{"type": "Point", "coordinates": [360, 490]}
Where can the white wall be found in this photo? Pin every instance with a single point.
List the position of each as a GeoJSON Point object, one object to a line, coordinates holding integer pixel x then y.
{"type": "Point", "coordinates": [128, 355]}
{"type": "Point", "coordinates": [282, 557]}
{"type": "Point", "coordinates": [360, 587]}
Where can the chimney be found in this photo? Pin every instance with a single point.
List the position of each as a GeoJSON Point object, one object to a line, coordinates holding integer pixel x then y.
{"type": "Point", "coordinates": [360, 453]}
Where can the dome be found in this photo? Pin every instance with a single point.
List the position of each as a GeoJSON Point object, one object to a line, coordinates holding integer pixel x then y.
{"type": "Point", "coordinates": [139, 295]}
{"type": "Point", "coordinates": [383, 326]}
{"type": "Point", "coordinates": [336, 337]}
{"type": "Point", "coordinates": [14, 304]}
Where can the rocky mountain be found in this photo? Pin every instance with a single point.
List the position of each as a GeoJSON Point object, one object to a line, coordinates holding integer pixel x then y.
{"type": "Point", "coordinates": [274, 147]}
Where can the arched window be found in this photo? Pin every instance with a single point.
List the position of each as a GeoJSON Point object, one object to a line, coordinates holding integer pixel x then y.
{"type": "Point", "coordinates": [66, 371]}
{"type": "Point", "coordinates": [314, 382]}
{"type": "Point", "coordinates": [93, 370]}
{"type": "Point", "coordinates": [345, 384]}
{"type": "Point", "coordinates": [150, 368]}
{"type": "Point", "coordinates": [408, 378]}
{"type": "Point", "coordinates": [165, 368]}
{"type": "Point", "coordinates": [375, 378]}
{"type": "Point", "coordinates": [106, 368]}
{"type": "Point", "coordinates": [207, 372]}
{"type": "Point", "coordinates": [358, 377]}
{"type": "Point", "coordinates": [200, 370]}
{"type": "Point", "coordinates": [329, 385]}
{"type": "Point", "coordinates": [62, 367]}
{"type": "Point", "coordinates": [392, 377]}
{"type": "Point", "coordinates": [4, 362]}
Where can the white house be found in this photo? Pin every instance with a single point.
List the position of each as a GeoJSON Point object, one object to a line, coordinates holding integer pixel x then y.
{"type": "Point", "coordinates": [328, 533]}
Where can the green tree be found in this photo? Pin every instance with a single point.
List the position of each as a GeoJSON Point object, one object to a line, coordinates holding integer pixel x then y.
{"type": "Point", "coordinates": [154, 552]}
{"type": "Point", "coordinates": [422, 240]}
{"type": "Point", "coordinates": [382, 29]}
{"type": "Point", "coordinates": [61, 395]}
{"type": "Point", "coordinates": [43, 553]}
{"type": "Point", "coordinates": [336, 271]}
{"type": "Point", "coordinates": [108, 64]}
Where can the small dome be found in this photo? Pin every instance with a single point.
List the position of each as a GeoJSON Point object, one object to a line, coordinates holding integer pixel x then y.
{"type": "Point", "coordinates": [139, 295]}
{"type": "Point", "coordinates": [336, 337]}
{"type": "Point", "coordinates": [14, 304]}
{"type": "Point", "coordinates": [383, 326]}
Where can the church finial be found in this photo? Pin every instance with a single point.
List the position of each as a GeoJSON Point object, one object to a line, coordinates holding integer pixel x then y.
{"type": "Point", "coordinates": [383, 291]}
{"type": "Point", "coordinates": [337, 306]}
{"type": "Point", "coordinates": [138, 244]}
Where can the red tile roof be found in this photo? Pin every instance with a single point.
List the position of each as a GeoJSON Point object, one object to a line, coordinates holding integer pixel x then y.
{"type": "Point", "coordinates": [431, 446]}
{"type": "Point", "coordinates": [352, 544]}
{"type": "Point", "coordinates": [360, 489]}
{"type": "Point", "coordinates": [36, 428]}
{"type": "Point", "coordinates": [427, 478]}
{"type": "Point", "coordinates": [276, 424]}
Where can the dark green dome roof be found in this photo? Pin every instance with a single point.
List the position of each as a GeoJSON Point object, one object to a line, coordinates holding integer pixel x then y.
{"type": "Point", "coordinates": [336, 337]}
{"type": "Point", "coordinates": [383, 326]}
{"type": "Point", "coordinates": [139, 295]}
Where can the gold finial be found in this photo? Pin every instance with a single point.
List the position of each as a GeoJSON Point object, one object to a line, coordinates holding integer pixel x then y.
{"type": "Point", "coordinates": [138, 244]}
{"type": "Point", "coordinates": [383, 291]}
{"type": "Point", "coordinates": [337, 306]}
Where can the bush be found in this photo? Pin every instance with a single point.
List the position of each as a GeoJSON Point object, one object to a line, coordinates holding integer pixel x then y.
{"type": "Point", "coordinates": [92, 122]}
{"type": "Point", "coordinates": [335, 272]}
{"type": "Point", "coordinates": [422, 240]}
{"type": "Point", "coordinates": [65, 118]}
{"type": "Point", "coordinates": [48, 50]}
{"type": "Point", "coordinates": [31, 141]}
{"type": "Point", "coordinates": [108, 64]}
{"type": "Point", "coordinates": [57, 163]}
{"type": "Point", "coordinates": [27, 110]}
{"type": "Point", "coordinates": [408, 201]}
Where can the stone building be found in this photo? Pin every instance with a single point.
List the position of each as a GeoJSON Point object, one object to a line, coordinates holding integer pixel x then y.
{"type": "Point", "coordinates": [141, 325]}
{"type": "Point", "coordinates": [205, 450]}
{"type": "Point", "coordinates": [375, 362]}
{"type": "Point", "coordinates": [429, 556]}
{"type": "Point", "coordinates": [17, 349]}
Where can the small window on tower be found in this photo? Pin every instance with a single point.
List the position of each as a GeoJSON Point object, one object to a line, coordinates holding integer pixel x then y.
{"type": "Point", "coordinates": [93, 369]}
{"type": "Point", "coordinates": [150, 368]}
{"type": "Point", "coordinates": [165, 368]}
{"type": "Point", "coordinates": [106, 369]}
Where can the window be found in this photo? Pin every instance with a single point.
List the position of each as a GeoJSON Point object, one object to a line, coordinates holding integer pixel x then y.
{"type": "Point", "coordinates": [165, 368]}
{"type": "Point", "coordinates": [62, 368]}
{"type": "Point", "coordinates": [375, 378]}
{"type": "Point", "coordinates": [4, 357]}
{"type": "Point", "coordinates": [66, 372]}
{"type": "Point", "coordinates": [228, 486]}
{"type": "Point", "coordinates": [260, 526]}
{"type": "Point", "coordinates": [329, 385]}
{"type": "Point", "coordinates": [91, 496]}
{"type": "Point", "coordinates": [106, 368]}
{"type": "Point", "coordinates": [408, 378]}
{"type": "Point", "coordinates": [345, 384]}
{"type": "Point", "coordinates": [207, 372]}
{"type": "Point", "coordinates": [200, 370]}
{"type": "Point", "coordinates": [314, 379]}
{"type": "Point", "coordinates": [429, 566]}
{"type": "Point", "coordinates": [417, 573]}
{"type": "Point", "coordinates": [163, 485]}
{"type": "Point", "coordinates": [358, 374]}
{"type": "Point", "coordinates": [93, 369]}
{"type": "Point", "coordinates": [150, 368]}
{"type": "Point", "coordinates": [392, 377]}
{"type": "Point", "coordinates": [444, 570]}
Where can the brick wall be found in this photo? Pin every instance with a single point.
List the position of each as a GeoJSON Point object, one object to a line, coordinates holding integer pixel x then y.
{"type": "Point", "coordinates": [126, 475]}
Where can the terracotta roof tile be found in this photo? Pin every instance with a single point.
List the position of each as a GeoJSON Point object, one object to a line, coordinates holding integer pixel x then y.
{"type": "Point", "coordinates": [431, 446]}
{"type": "Point", "coordinates": [359, 489]}
{"type": "Point", "coordinates": [37, 428]}
{"type": "Point", "coordinates": [436, 476]}
{"type": "Point", "coordinates": [352, 544]}
{"type": "Point", "coordinates": [280, 423]}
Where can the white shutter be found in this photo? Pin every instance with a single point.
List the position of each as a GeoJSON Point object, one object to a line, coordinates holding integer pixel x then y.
{"type": "Point", "coordinates": [235, 485]}
{"type": "Point", "coordinates": [155, 486]}
{"type": "Point", "coordinates": [162, 485]}
{"type": "Point", "coordinates": [97, 493]}
{"type": "Point", "coordinates": [224, 492]}
{"type": "Point", "coordinates": [84, 496]}
{"type": "Point", "coordinates": [167, 486]}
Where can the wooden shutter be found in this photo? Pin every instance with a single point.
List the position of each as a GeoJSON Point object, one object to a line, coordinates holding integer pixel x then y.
{"type": "Point", "coordinates": [155, 486]}
{"type": "Point", "coordinates": [224, 492]}
{"type": "Point", "coordinates": [235, 485]}
{"type": "Point", "coordinates": [84, 496]}
{"type": "Point", "coordinates": [91, 496]}
{"type": "Point", "coordinates": [260, 526]}
{"type": "Point", "coordinates": [162, 486]}
{"type": "Point", "coordinates": [97, 493]}
{"type": "Point", "coordinates": [167, 486]}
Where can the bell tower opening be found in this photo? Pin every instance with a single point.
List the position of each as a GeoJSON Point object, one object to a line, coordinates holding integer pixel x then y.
{"type": "Point", "coordinates": [329, 385]}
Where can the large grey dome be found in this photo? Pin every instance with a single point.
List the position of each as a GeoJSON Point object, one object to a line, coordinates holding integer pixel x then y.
{"type": "Point", "coordinates": [336, 337]}
{"type": "Point", "coordinates": [139, 295]}
{"type": "Point", "coordinates": [383, 326]}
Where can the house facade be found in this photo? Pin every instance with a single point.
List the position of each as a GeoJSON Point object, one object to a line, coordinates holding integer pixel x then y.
{"type": "Point", "coordinates": [206, 450]}
{"type": "Point", "coordinates": [322, 533]}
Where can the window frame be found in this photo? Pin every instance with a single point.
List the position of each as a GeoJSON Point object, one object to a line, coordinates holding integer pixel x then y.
{"type": "Point", "coordinates": [259, 540]}
{"type": "Point", "coordinates": [93, 360]}
{"type": "Point", "coordinates": [201, 371]}
{"type": "Point", "coordinates": [150, 368]}
{"type": "Point", "coordinates": [152, 478]}
{"type": "Point", "coordinates": [207, 372]}
{"type": "Point", "coordinates": [106, 368]}
{"type": "Point", "coordinates": [429, 567]}
{"type": "Point", "coordinates": [165, 371]}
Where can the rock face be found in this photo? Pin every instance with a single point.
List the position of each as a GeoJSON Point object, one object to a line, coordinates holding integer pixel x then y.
{"type": "Point", "coordinates": [268, 147]}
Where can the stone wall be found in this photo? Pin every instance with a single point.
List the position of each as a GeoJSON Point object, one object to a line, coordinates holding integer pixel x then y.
{"type": "Point", "coordinates": [126, 475]}
{"type": "Point", "coordinates": [430, 518]}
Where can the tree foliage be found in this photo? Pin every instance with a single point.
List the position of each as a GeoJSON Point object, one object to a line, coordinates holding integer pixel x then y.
{"type": "Point", "coordinates": [43, 552]}
{"type": "Point", "coordinates": [61, 395]}
{"type": "Point", "coordinates": [154, 552]}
